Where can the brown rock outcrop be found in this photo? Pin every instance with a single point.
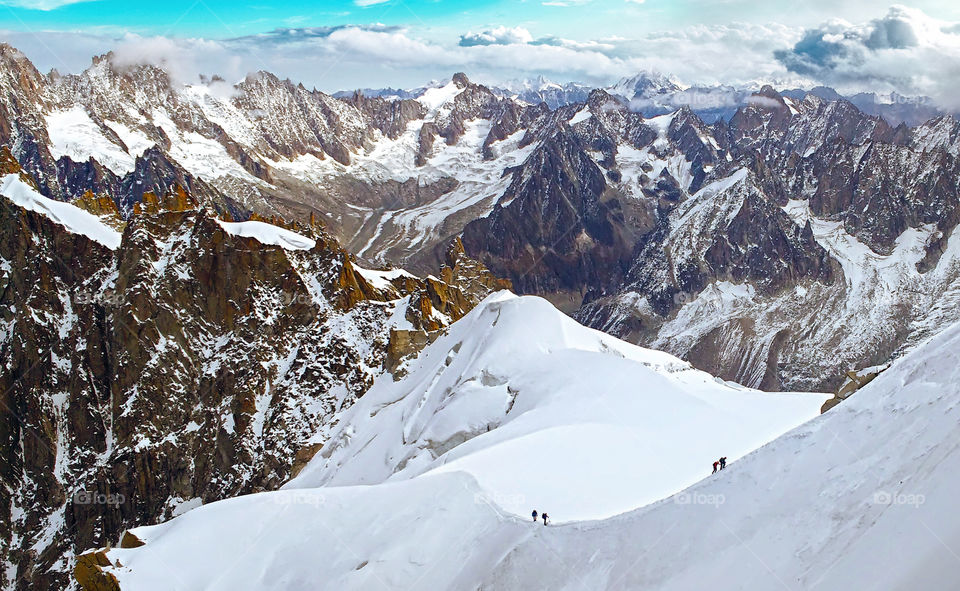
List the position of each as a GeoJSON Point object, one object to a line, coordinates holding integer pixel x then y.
{"type": "Point", "coordinates": [189, 364]}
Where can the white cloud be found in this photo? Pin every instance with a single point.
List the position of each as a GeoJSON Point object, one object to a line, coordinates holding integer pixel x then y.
{"type": "Point", "coordinates": [763, 101]}
{"type": "Point", "coordinates": [365, 3]}
{"type": "Point", "coordinates": [377, 55]}
{"type": "Point", "coordinates": [496, 36]}
{"type": "Point", "coordinates": [183, 59]}
{"type": "Point", "coordinates": [905, 51]}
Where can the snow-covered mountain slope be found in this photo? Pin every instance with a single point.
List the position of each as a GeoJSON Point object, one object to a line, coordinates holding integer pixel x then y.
{"type": "Point", "coordinates": [537, 407]}
{"type": "Point", "coordinates": [859, 498]}
{"type": "Point", "coordinates": [869, 483]}
{"type": "Point", "coordinates": [516, 407]}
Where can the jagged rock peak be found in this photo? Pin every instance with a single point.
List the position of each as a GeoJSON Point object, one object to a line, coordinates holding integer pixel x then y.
{"type": "Point", "coordinates": [768, 92]}
{"type": "Point", "coordinates": [176, 200]}
{"type": "Point", "coordinates": [461, 80]}
{"type": "Point", "coordinates": [103, 58]}
{"type": "Point", "coordinates": [601, 99]}
{"type": "Point", "coordinates": [9, 52]}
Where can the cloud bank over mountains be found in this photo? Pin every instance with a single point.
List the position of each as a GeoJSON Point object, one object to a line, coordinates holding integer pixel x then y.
{"type": "Point", "coordinates": [903, 50]}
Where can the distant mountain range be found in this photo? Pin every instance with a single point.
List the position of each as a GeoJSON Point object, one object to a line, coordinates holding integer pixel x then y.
{"type": "Point", "coordinates": [656, 94]}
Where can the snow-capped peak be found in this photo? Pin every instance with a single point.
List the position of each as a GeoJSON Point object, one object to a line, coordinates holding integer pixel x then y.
{"type": "Point", "coordinates": [645, 84]}
{"type": "Point", "coordinates": [435, 98]}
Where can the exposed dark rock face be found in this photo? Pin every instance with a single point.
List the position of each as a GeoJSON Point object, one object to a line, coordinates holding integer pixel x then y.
{"type": "Point", "coordinates": [557, 231]}
{"type": "Point", "coordinates": [390, 117]}
{"type": "Point", "coordinates": [694, 207]}
{"type": "Point", "coordinates": [155, 173]}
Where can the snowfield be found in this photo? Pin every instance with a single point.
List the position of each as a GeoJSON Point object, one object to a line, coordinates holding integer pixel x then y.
{"type": "Point", "coordinates": [73, 134]}
{"type": "Point", "coordinates": [427, 482]}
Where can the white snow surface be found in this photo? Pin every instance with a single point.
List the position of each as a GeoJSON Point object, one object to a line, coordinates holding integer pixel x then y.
{"type": "Point", "coordinates": [69, 216]}
{"type": "Point", "coordinates": [870, 483]}
{"type": "Point", "coordinates": [435, 98]}
{"type": "Point", "coordinates": [73, 134]}
{"type": "Point", "coordinates": [542, 410]}
{"type": "Point", "coordinates": [581, 116]}
{"type": "Point", "coordinates": [382, 280]}
{"type": "Point", "coordinates": [268, 234]}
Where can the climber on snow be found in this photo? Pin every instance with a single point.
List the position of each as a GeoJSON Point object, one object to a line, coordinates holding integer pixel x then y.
{"type": "Point", "coordinates": [534, 515]}
{"type": "Point", "coordinates": [715, 464]}
{"type": "Point", "coordinates": [545, 518]}
{"type": "Point", "coordinates": [723, 462]}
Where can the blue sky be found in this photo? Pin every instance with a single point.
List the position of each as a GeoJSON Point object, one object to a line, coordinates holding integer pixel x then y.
{"type": "Point", "coordinates": [586, 18]}
{"type": "Point", "coordinates": [352, 43]}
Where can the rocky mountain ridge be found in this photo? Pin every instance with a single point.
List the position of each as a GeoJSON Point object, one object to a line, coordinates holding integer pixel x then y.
{"type": "Point", "coordinates": [592, 204]}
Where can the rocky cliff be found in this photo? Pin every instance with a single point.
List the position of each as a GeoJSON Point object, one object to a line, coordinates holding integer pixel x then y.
{"type": "Point", "coordinates": [191, 361]}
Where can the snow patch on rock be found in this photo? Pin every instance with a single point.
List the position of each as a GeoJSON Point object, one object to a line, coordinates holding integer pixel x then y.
{"type": "Point", "coordinates": [69, 216]}
{"type": "Point", "coordinates": [268, 234]}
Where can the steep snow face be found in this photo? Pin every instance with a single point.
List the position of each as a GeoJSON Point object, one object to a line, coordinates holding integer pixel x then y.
{"type": "Point", "coordinates": [870, 483]}
{"type": "Point", "coordinates": [71, 217]}
{"type": "Point", "coordinates": [268, 234]}
{"type": "Point", "coordinates": [202, 156]}
{"type": "Point", "coordinates": [382, 280]}
{"type": "Point", "coordinates": [699, 219]}
{"type": "Point", "coordinates": [542, 410]}
{"type": "Point", "coordinates": [581, 116]}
